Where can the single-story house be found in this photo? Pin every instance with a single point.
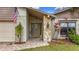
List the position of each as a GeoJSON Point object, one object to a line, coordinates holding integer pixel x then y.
{"type": "Point", "coordinates": [36, 24]}
{"type": "Point", "coordinates": [65, 20]}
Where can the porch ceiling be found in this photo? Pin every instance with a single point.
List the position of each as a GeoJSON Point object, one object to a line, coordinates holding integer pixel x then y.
{"type": "Point", "coordinates": [37, 13]}
{"type": "Point", "coordinates": [33, 12]}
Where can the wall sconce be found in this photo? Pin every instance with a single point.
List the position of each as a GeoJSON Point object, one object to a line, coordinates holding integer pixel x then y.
{"type": "Point", "coordinates": [48, 16]}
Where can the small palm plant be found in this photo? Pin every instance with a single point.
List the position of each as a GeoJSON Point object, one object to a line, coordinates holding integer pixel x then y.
{"type": "Point", "coordinates": [19, 31]}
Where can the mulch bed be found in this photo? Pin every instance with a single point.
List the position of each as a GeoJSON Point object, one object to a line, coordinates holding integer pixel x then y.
{"type": "Point", "coordinates": [19, 42]}
{"type": "Point", "coordinates": [61, 41]}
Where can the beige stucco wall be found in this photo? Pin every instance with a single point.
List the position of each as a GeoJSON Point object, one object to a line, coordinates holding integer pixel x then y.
{"type": "Point", "coordinates": [23, 18]}
{"type": "Point", "coordinates": [47, 32]}
{"type": "Point", "coordinates": [7, 32]}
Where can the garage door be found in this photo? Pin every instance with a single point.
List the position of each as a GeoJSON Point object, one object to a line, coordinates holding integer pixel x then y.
{"type": "Point", "coordinates": [7, 32]}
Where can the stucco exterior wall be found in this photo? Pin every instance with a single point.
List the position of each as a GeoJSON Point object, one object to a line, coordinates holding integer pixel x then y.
{"type": "Point", "coordinates": [23, 18]}
{"type": "Point", "coordinates": [47, 29]}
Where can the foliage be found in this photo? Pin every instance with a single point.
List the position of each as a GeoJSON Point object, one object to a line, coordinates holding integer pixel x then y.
{"type": "Point", "coordinates": [19, 30]}
{"type": "Point", "coordinates": [73, 36]}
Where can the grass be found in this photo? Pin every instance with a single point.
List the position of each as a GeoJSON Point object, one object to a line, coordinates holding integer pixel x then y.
{"type": "Point", "coordinates": [55, 47]}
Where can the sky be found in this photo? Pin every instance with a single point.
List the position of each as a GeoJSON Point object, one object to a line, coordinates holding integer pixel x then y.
{"type": "Point", "coordinates": [47, 9]}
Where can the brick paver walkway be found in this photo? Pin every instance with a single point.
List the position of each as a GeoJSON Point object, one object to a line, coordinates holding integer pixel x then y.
{"type": "Point", "coordinates": [28, 44]}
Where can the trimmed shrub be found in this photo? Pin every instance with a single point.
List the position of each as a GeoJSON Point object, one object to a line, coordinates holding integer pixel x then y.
{"type": "Point", "coordinates": [73, 36]}
{"type": "Point", "coordinates": [19, 31]}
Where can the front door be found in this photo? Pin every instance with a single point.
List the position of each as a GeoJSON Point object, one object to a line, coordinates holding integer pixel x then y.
{"type": "Point", "coordinates": [35, 30]}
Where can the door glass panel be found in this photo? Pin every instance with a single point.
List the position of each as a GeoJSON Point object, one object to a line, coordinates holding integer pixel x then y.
{"type": "Point", "coordinates": [36, 30]}
{"type": "Point", "coordinates": [63, 31]}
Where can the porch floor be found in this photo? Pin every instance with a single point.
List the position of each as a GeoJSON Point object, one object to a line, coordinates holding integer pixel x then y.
{"type": "Point", "coordinates": [28, 44]}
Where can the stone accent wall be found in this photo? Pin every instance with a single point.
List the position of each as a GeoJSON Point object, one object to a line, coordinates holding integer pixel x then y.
{"type": "Point", "coordinates": [47, 33]}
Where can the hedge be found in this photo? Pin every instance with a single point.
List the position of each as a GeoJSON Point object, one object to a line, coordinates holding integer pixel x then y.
{"type": "Point", "coordinates": [73, 37]}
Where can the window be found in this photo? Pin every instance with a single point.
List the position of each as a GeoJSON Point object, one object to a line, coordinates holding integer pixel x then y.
{"type": "Point", "coordinates": [71, 24]}
{"type": "Point", "coordinates": [63, 31]}
{"type": "Point", "coordinates": [63, 24]}
{"type": "Point", "coordinates": [66, 26]}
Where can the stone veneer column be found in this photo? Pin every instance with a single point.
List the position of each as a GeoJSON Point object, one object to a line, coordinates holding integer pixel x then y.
{"type": "Point", "coordinates": [47, 33]}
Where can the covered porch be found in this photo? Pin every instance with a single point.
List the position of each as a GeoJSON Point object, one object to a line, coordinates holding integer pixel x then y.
{"type": "Point", "coordinates": [39, 25]}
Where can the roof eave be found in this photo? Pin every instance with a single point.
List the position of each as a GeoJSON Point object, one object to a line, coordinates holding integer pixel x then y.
{"type": "Point", "coordinates": [62, 11]}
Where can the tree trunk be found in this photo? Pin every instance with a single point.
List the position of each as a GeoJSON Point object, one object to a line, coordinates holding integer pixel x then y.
{"type": "Point", "coordinates": [20, 38]}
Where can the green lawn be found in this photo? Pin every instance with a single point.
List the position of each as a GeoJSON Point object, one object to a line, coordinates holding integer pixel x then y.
{"type": "Point", "coordinates": [57, 47]}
